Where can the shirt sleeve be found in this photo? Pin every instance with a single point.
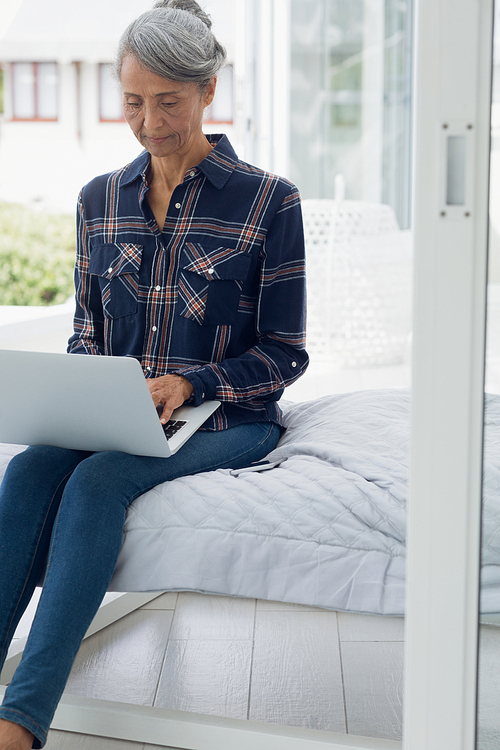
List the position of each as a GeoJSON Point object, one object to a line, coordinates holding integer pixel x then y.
{"type": "Point", "coordinates": [278, 356]}
{"type": "Point", "coordinates": [88, 324]}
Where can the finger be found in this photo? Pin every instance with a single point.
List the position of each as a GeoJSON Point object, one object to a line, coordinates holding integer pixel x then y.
{"type": "Point", "coordinates": [171, 402]}
{"type": "Point", "coordinates": [156, 396]}
{"type": "Point", "coordinates": [166, 414]}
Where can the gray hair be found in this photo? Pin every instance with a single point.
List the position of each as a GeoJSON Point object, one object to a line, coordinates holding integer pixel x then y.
{"type": "Point", "coordinates": [173, 41]}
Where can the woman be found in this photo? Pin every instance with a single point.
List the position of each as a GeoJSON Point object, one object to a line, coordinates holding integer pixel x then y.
{"type": "Point", "coordinates": [193, 262]}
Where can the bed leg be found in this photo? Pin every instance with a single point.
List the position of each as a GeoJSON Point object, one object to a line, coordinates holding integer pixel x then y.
{"type": "Point", "coordinates": [114, 606]}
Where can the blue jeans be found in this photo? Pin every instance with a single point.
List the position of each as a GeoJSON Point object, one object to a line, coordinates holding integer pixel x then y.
{"type": "Point", "coordinates": [63, 512]}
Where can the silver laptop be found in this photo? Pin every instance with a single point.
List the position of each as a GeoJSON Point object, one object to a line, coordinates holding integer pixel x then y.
{"type": "Point", "coordinates": [90, 403]}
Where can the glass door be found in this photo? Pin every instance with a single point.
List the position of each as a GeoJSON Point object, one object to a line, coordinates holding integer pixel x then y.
{"type": "Point", "coordinates": [350, 156]}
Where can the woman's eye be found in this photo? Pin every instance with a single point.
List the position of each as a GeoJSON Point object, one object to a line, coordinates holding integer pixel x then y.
{"type": "Point", "coordinates": [132, 105]}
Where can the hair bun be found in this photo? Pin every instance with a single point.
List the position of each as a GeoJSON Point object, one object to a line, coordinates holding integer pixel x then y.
{"type": "Point", "coordinates": [191, 6]}
{"type": "Point", "coordinates": [174, 40]}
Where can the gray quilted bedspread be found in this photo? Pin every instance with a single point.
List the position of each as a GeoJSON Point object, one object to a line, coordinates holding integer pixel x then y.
{"type": "Point", "coordinates": [325, 527]}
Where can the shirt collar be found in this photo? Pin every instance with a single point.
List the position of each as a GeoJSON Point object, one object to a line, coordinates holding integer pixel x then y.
{"type": "Point", "coordinates": [217, 167]}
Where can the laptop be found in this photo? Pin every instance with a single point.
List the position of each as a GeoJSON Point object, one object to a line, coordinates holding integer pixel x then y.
{"type": "Point", "coordinates": [91, 403]}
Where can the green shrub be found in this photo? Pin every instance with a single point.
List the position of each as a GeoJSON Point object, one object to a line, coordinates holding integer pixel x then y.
{"type": "Point", "coordinates": [37, 256]}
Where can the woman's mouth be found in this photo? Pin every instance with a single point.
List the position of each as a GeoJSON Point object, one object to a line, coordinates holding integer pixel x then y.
{"type": "Point", "coordinates": [157, 141]}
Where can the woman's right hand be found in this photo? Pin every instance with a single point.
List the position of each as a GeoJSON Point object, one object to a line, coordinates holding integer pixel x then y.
{"type": "Point", "coordinates": [170, 392]}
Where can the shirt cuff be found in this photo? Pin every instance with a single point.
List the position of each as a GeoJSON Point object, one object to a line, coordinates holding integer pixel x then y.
{"type": "Point", "coordinates": [204, 386]}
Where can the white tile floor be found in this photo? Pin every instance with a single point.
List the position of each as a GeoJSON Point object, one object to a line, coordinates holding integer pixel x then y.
{"type": "Point", "coordinates": [252, 659]}
{"type": "Point", "coordinates": [241, 658]}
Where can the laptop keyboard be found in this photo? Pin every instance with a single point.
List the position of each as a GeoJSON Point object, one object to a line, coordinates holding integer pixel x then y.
{"type": "Point", "coordinates": [173, 426]}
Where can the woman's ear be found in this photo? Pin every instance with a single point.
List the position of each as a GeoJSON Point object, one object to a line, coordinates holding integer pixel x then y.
{"type": "Point", "coordinates": [210, 91]}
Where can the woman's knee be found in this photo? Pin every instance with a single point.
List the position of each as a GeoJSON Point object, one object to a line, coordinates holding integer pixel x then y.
{"type": "Point", "coordinates": [39, 467]}
{"type": "Point", "coordinates": [102, 477]}
{"type": "Point", "coordinates": [42, 458]}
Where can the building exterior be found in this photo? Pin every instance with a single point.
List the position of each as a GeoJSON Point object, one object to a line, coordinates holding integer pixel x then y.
{"type": "Point", "coordinates": [62, 122]}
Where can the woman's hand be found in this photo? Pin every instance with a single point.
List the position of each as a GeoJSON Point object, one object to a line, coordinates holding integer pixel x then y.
{"type": "Point", "coordinates": [171, 391]}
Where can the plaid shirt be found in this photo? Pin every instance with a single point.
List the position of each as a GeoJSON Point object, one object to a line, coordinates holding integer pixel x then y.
{"type": "Point", "coordinates": [217, 296]}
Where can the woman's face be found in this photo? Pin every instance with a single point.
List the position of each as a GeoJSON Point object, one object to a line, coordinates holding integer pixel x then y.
{"type": "Point", "coordinates": [165, 116]}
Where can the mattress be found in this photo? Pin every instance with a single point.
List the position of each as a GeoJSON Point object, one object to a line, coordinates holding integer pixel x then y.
{"type": "Point", "coordinates": [324, 526]}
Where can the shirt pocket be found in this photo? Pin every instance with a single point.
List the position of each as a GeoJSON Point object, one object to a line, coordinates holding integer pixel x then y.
{"type": "Point", "coordinates": [210, 283]}
{"type": "Point", "coordinates": [117, 267]}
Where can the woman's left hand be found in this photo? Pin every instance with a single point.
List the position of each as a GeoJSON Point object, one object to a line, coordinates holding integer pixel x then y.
{"type": "Point", "coordinates": [171, 391]}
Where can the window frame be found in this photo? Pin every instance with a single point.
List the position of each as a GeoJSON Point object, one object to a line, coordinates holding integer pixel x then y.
{"type": "Point", "coordinates": [453, 61]}
{"type": "Point", "coordinates": [35, 67]}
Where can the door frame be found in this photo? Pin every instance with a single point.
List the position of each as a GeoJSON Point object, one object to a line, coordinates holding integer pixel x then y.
{"type": "Point", "coordinates": [453, 56]}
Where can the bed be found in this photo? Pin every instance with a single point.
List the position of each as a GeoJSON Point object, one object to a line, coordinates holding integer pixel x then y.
{"type": "Point", "coordinates": [324, 526]}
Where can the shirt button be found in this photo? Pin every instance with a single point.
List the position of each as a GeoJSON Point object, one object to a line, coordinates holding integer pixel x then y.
{"type": "Point", "coordinates": [158, 288]}
{"type": "Point", "coordinates": [294, 364]}
{"type": "Point", "coordinates": [211, 270]}
{"type": "Point", "coordinates": [177, 205]}
{"type": "Point", "coordinates": [110, 269]}
{"type": "Point", "coordinates": [149, 368]}
{"type": "Point", "coordinates": [154, 328]}
{"type": "Point", "coordinates": [192, 174]}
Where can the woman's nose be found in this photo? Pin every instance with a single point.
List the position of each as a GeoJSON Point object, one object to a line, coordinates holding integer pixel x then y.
{"type": "Point", "coordinates": [152, 117]}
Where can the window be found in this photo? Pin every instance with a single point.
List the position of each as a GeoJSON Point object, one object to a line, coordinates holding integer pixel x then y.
{"type": "Point", "coordinates": [110, 100]}
{"type": "Point", "coordinates": [350, 99]}
{"type": "Point", "coordinates": [34, 91]}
